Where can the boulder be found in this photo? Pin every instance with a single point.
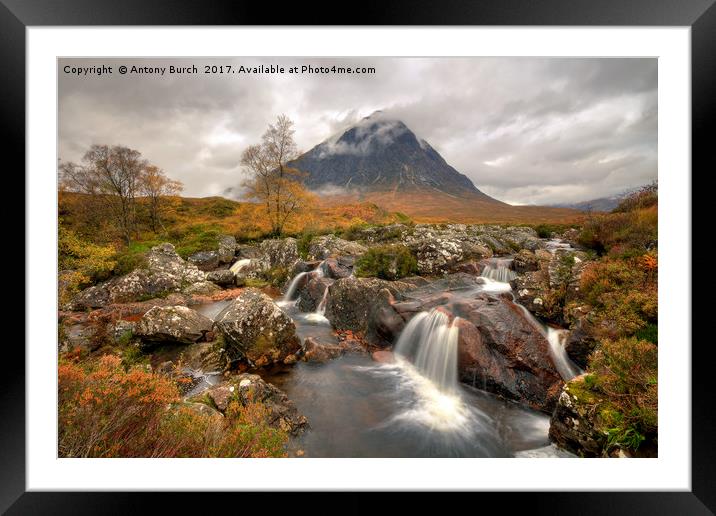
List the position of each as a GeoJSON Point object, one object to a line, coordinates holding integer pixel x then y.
{"type": "Point", "coordinates": [525, 261]}
{"type": "Point", "coordinates": [279, 253]}
{"type": "Point", "coordinates": [581, 342]}
{"type": "Point", "coordinates": [222, 277]}
{"type": "Point", "coordinates": [314, 351]}
{"type": "Point", "coordinates": [165, 272]}
{"type": "Point", "coordinates": [311, 291]}
{"type": "Point", "coordinates": [205, 260]}
{"type": "Point", "coordinates": [248, 251]}
{"type": "Point", "coordinates": [227, 249]}
{"type": "Point", "coordinates": [575, 424]}
{"type": "Point", "coordinates": [247, 268]}
{"type": "Point", "coordinates": [501, 351]}
{"type": "Point", "coordinates": [325, 246]}
{"type": "Point", "coordinates": [255, 329]}
{"type": "Point", "coordinates": [336, 269]}
{"type": "Point", "coordinates": [251, 388]}
{"type": "Point", "coordinates": [351, 300]}
{"type": "Point", "coordinates": [201, 288]}
{"type": "Point", "coordinates": [172, 324]}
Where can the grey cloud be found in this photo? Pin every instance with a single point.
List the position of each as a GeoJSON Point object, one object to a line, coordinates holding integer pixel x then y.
{"type": "Point", "coordinates": [525, 130]}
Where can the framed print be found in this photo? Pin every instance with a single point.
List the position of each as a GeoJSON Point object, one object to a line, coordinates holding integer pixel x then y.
{"type": "Point", "coordinates": [418, 253]}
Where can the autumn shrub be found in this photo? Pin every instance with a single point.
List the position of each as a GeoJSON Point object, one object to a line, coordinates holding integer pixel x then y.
{"type": "Point", "coordinates": [84, 263]}
{"type": "Point", "coordinates": [623, 293]}
{"type": "Point", "coordinates": [109, 410]}
{"type": "Point", "coordinates": [630, 230]}
{"type": "Point", "coordinates": [625, 373]}
{"type": "Point", "coordinates": [390, 262]}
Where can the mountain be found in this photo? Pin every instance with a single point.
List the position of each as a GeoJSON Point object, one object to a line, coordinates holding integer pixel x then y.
{"type": "Point", "coordinates": [381, 161]}
{"type": "Point", "coordinates": [380, 155]}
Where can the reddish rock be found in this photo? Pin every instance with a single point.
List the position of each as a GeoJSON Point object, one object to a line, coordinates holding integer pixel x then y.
{"type": "Point", "coordinates": [384, 357]}
{"type": "Point", "coordinates": [315, 351]}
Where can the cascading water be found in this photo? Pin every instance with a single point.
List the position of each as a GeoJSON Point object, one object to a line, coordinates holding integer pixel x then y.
{"type": "Point", "coordinates": [566, 368]}
{"type": "Point", "coordinates": [498, 269]}
{"type": "Point", "coordinates": [321, 309]}
{"type": "Point", "coordinates": [293, 286]}
{"type": "Point", "coordinates": [430, 342]}
{"type": "Point", "coordinates": [235, 268]}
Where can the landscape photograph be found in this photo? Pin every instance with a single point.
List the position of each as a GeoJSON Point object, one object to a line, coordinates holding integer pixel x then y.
{"type": "Point", "coordinates": [357, 257]}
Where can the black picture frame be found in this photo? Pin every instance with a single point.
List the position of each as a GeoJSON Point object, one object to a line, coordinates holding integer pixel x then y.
{"type": "Point", "coordinates": [700, 15]}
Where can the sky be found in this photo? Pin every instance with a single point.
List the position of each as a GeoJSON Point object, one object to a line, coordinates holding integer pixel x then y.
{"type": "Point", "coordinates": [524, 130]}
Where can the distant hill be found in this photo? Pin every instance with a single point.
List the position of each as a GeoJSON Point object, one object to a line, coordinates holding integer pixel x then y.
{"type": "Point", "coordinates": [599, 204]}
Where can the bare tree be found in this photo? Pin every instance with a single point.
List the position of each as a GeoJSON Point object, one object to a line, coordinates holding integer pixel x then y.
{"type": "Point", "coordinates": [113, 172]}
{"type": "Point", "coordinates": [155, 185]}
{"type": "Point", "coordinates": [276, 185]}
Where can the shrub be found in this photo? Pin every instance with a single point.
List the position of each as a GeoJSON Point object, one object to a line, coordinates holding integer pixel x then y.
{"type": "Point", "coordinates": [107, 410]}
{"type": "Point", "coordinates": [625, 371]}
{"type": "Point", "coordinates": [623, 293]}
{"type": "Point", "coordinates": [88, 263]}
{"type": "Point", "coordinates": [622, 234]}
{"type": "Point", "coordinates": [303, 242]}
{"type": "Point", "coordinates": [390, 262]}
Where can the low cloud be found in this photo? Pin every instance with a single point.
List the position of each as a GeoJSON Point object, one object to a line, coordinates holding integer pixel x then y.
{"type": "Point", "coordinates": [525, 130]}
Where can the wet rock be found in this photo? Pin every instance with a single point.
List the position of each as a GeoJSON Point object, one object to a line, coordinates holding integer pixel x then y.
{"type": "Point", "coordinates": [501, 351]}
{"type": "Point", "coordinates": [227, 249]}
{"type": "Point", "coordinates": [314, 351]}
{"type": "Point", "coordinates": [334, 269]}
{"type": "Point", "coordinates": [581, 342]}
{"type": "Point", "coordinates": [201, 288]}
{"type": "Point", "coordinates": [165, 272]}
{"type": "Point", "coordinates": [325, 246]}
{"type": "Point", "coordinates": [222, 277]}
{"type": "Point", "coordinates": [256, 329]}
{"type": "Point", "coordinates": [205, 260]}
{"type": "Point", "coordinates": [172, 324]}
{"type": "Point", "coordinates": [383, 357]}
{"type": "Point", "coordinates": [351, 300]}
{"type": "Point", "coordinates": [311, 291]}
{"type": "Point", "coordinates": [251, 388]}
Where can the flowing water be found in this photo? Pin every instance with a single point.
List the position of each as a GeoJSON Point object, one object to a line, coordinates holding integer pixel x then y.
{"type": "Point", "coordinates": [499, 269]}
{"type": "Point", "coordinates": [415, 406]}
{"type": "Point", "coordinates": [359, 408]}
{"type": "Point", "coordinates": [557, 338]}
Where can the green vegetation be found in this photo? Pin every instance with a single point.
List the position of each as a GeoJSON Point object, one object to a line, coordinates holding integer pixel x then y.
{"type": "Point", "coordinates": [390, 262]}
{"type": "Point", "coordinates": [109, 410]}
{"type": "Point", "coordinates": [623, 377]}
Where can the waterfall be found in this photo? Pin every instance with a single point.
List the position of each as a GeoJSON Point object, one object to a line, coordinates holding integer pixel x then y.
{"type": "Point", "coordinates": [235, 268]}
{"type": "Point", "coordinates": [430, 342]}
{"type": "Point", "coordinates": [291, 291]}
{"type": "Point", "coordinates": [566, 368]}
{"type": "Point", "coordinates": [288, 296]}
{"type": "Point", "coordinates": [321, 309]}
{"type": "Point", "coordinates": [498, 269]}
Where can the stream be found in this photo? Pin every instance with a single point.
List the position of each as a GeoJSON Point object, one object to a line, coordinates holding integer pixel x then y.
{"type": "Point", "coordinates": [415, 407]}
